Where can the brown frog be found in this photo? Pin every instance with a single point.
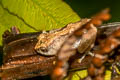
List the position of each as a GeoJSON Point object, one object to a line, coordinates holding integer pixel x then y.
{"type": "Point", "coordinates": [50, 42]}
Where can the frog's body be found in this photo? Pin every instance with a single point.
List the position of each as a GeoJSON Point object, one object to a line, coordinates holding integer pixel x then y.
{"type": "Point", "coordinates": [50, 42]}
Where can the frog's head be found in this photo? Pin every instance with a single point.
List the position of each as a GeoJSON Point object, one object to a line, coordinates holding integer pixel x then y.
{"type": "Point", "coordinates": [48, 44]}
{"type": "Point", "coordinates": [43, 43]}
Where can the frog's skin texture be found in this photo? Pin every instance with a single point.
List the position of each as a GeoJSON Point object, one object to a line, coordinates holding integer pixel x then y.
{"type": "Point", "coordinates": [50, 42]}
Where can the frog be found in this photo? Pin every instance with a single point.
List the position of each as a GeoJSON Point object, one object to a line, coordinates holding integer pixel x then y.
{"type": "Point", "coordinates": [50, 42]}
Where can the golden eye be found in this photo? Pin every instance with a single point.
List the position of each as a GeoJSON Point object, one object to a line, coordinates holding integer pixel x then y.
{"type": "Point", "coordinates": [43, 49]}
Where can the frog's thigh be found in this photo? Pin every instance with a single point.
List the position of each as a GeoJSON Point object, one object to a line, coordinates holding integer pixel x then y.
{"type": "Point", "coordinates": [87, 40]}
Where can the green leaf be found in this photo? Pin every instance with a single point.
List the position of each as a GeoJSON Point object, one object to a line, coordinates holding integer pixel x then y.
{"type": "Point", "coordinates": [77, 75]}
{"type": "Point", "coordinates": [107, 75]}
{"type": "Point", "coordinates": [35, 15]}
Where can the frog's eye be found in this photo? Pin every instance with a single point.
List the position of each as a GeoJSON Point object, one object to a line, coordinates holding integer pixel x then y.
{"type": "Point", "coordinates": [43, 49]}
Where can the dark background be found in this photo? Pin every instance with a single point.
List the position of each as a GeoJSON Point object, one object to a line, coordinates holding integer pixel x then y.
{"type": "Point", "coordinates": [87, 8]}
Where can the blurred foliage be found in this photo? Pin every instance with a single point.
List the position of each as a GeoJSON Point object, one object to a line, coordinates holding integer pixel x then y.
{"type": "Point", "coordinates": [35, 15]}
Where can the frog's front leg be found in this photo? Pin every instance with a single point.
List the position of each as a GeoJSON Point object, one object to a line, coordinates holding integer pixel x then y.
{"type": "Point", "coordinates": [86, 42]}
